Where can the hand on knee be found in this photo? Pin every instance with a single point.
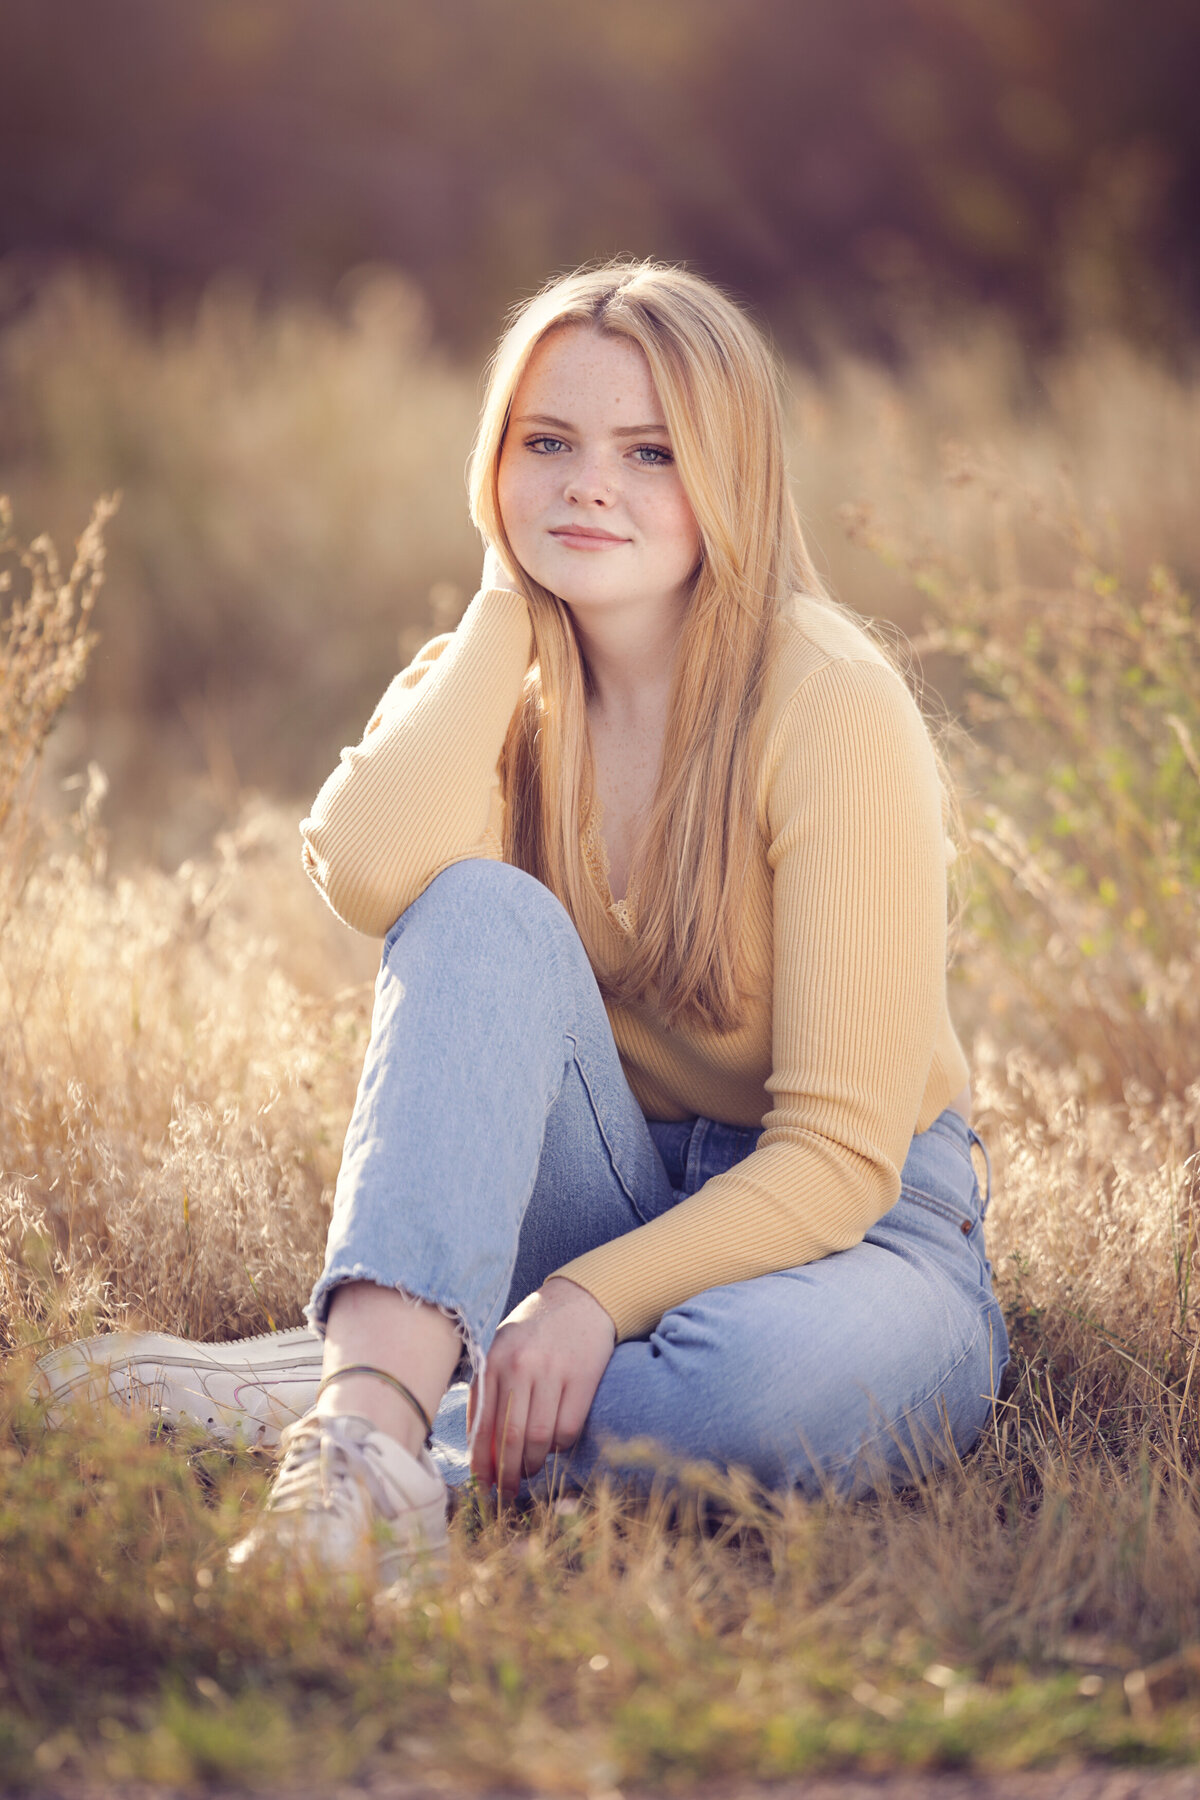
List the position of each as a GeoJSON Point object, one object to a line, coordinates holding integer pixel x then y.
{"type": "Point", "coordinates": [542, 1373]}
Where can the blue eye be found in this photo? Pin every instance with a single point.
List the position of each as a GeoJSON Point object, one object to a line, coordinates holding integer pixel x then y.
{"type": "Point", "coordinates": [544, 446]}
{"type": "Point", "coordinates": [661, 457]}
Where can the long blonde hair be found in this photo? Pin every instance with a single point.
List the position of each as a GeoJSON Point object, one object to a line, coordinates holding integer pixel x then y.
{"type": "Point", "coordinates": [719, 386]}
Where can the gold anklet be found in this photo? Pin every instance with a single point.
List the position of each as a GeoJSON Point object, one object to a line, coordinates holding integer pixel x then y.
{"type": "Point", "coordinates": [405, 1393]}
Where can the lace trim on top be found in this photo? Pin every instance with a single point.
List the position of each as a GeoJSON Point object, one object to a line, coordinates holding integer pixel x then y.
{"type": "Point", "coordinates": [595, 857]}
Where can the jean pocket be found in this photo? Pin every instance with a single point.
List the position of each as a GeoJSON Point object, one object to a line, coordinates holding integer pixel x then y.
{"type": "Point", "coordinates": [938, 1173]}
{"type": "Point", "coordinates": [716, 1148]}
{"type": "Point", "coordinates": [672, 1139]}
{"type": "Point", "coordinates": [964, 1217]}
{"type": "Point", "coordinates": [656, 1205]}
{"type": "Point", "coordinates": [939, 1203]}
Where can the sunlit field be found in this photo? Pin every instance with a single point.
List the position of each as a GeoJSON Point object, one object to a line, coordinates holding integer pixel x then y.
{"type": "Point", "coordinates": [181, 1025]}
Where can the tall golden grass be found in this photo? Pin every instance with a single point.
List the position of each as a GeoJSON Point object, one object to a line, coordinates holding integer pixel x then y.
{"type": "Point", "coordinates": [179, 1049]}
{"type": "Point", "coordinates": [294, 517]}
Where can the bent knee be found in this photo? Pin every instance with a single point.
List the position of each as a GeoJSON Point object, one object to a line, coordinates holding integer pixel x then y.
{"type": "Point", "coordinates": [484, 916]}
{"type": "Point", "coordinates": [480, 894]}
{"type": "Point", "coordinates": [486, 878]}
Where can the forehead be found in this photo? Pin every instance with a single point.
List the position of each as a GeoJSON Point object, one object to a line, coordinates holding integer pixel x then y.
{"type": "Point", "coordinates": [577, 366]}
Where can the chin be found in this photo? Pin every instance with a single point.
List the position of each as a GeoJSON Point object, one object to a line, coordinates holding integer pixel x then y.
{"type": "Point", "coordinates": [574, 590]}
{"type": "Point", "coordinates": [581, 596]}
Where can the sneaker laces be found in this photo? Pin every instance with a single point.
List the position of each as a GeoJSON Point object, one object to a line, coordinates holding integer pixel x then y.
{"type": "Point", "coordinates": [327, 1464]}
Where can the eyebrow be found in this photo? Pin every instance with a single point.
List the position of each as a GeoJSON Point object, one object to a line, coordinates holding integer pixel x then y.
{"type": "Point", "coordinates": [565, 425]}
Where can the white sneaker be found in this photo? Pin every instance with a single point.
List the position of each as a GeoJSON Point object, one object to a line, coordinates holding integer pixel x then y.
{"type": "Point", "coordinates": [350, 1501]}
{"type": "Point", "coordinates": [242, 1392]}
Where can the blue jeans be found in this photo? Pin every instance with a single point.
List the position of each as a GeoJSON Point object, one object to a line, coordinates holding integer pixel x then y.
{"type": "Point", "coordinates": [495, 1137]}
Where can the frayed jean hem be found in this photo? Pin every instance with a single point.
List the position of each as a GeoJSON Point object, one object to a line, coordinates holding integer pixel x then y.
{"type": "Point", "coordinates": [473, 1360]}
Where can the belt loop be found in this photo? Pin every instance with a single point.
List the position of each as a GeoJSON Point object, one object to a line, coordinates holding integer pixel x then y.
{"type": "Point", "coordinates": [987, 1198]}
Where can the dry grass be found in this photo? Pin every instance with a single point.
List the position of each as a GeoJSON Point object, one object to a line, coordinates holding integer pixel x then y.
{"type": "Point", "coordinates": [179, 1053]}
{"type": "Point", "coordinates": [45, 642]}
{"type": "Point", "coordinates": [293, 512]}
{"type": "Point", "coordinates": [175, 1103]}
{"type": "Point", "coordinates": [294, 506]}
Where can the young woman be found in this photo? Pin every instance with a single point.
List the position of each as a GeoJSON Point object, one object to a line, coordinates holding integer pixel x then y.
{"type": "Point", "coordinates": [663, 1132]}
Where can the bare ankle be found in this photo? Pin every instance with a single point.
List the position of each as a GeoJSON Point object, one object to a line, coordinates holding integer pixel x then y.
{"type": "Point", "coordinates": [368, 1397]}
{"type": "Point", "coordinates": [411, 1346]}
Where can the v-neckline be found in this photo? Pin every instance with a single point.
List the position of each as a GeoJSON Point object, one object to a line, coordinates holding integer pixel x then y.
{"type": "Point", "coordinates": [595, 851]}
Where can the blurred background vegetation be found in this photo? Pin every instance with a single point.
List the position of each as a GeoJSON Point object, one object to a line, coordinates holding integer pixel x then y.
{"type": "Point", "coordinates": [816, 155]}
{"type": "Point", "coordinates": [253, 252]}
{"type": "Point", "coordinates": [252, 255]}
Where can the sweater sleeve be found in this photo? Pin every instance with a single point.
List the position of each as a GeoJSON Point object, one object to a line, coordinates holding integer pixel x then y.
{"type": "Point", "coordinates": [421, 791]}
{"type": "Point", "coordinates": [856, 846]}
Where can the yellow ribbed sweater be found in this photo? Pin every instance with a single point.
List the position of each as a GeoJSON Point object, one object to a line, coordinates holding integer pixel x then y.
{"type": "Point", "coordinates": [848, 1047]}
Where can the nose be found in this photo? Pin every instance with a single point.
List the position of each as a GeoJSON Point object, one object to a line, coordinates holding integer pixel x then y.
{"type": "Point", "coordinates": [588, 482]}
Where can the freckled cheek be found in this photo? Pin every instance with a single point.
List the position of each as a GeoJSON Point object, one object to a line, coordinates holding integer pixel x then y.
{"type": "Point", "coordinates": [517, 506]}
{"type": "Point", "coordinates": [681, 527]}
{"type": "Point", "coordinates": [523, 508]}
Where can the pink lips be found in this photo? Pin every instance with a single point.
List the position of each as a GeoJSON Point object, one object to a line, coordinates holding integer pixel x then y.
{"type": "Point", "coordinates": [584, 537]}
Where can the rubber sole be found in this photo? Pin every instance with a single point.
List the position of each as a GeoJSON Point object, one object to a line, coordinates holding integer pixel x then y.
{"type": "Point", "coordinates": [243, 1392]}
